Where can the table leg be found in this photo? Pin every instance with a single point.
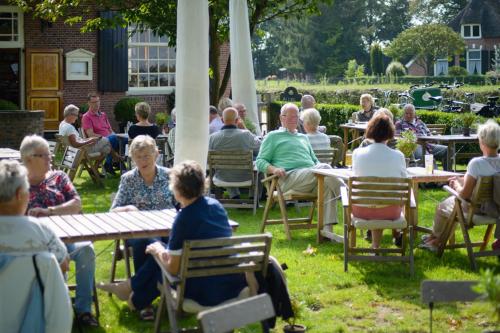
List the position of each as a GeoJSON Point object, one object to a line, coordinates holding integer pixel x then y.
{"type": "Point", "coordinates": [416, 227]}
{"type": "Point", "coordinates": [450, 157]}
{"type": "Point", "coordinates": [320, 202]}
{"type": "Point", "coordinates": [346, 134]}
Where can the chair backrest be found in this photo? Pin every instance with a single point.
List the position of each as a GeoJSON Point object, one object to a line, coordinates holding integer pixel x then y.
{"type": "Point", "coordinates": [437, 128]}
{"type": "Point", "coordinates": [325, 155]}
{"type": "Point", "coordinates": [225, 318]}
{"type": "Point", "coordinates": [219, 256]}
{"type": "Point", "coordinates": [71, 158]}
{"type": "Point", "coordinates": [380, 191]}
{"type": "Point", "coordinates": [483, 192]}
{"type": "Point", "coordinates": [238, 161]}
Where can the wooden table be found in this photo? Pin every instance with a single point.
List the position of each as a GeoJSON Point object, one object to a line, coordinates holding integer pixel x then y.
{"type": "Point", "coordinates": [356, 129]}
{"type": "Point", "coordinates": [111, 226]}
{"type": "Point", "coordinates": [450, 141]}
{"type": "Point", "coordinates": [9, 154]}
{"type": "Point", "coordinates": [122, 151]}
{"type": "Point", "coordinates": [417, 174]}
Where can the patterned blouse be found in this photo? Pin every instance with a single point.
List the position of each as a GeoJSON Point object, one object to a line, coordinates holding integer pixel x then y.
{"type": "Point", "coordinates": [419, 128]}
{"type": "Point", "coordinates": [54, 190]}
{"type": "Point", "coordinates": [362, 116]}
{"type": "Point", "coordinates": [134, 191]}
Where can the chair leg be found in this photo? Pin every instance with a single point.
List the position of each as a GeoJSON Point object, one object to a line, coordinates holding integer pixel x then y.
{"type": "Point", "coordinates": [269, 203]}
{"type": "Point", "coordinates": [159, 313]}
{"type": "Point", "coordinates": [126, 256]}
{"type": "Point", "coordinates": [411, 241]}
{"type": "Point", "coordinates": [486, 238]}
{"type": "Point", "coordinates": [113, 262]}
{"type": "Point", "coordinates": [284, 215]}
{"type": "Point", "coordinates": [468, 244]}
{"type": "Point", "coordinates": [96, 302]}
{"type": "Point", "coordinates": [346, 245]}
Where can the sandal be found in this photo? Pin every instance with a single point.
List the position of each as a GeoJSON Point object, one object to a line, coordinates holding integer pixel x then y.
{"type": "Point", "coordinates": [86, 319]}
{"type": "Point", "coordinates": [147, 314]}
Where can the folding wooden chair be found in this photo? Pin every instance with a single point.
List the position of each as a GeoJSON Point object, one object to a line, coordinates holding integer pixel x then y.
{"type": "Point", "coordinates": [230, 161]}
{"type": "Point", "coordinates": [437, 129]}
{"type": "Point", "coordinates": [326, 155]}
{"type": "Point", "coordinates": [275, 194]}
{"type": "Point", "coordinates": [369, 191]}
{"type": "Point", "coordinates": [210, 257]}
{"type": "Point", "coordinates": [469, 218]}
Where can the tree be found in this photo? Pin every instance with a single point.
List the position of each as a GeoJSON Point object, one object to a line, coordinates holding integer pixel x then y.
{"type": "Point", "coordinates": [376, 59]}
{"type": "Point", "coordinates": [159, 15]}
{"type": "Point", "coordinates": [435, 11]}
{"type": "Point", "coordinates": [426, 43]}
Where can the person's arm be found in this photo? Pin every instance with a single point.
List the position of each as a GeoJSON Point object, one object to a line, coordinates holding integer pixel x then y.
{"type": "Point", "coordinates": [169, 261]}
{"type": "Point", "coordinates": [464, 186]}
{"type": "Point", "coordinates": [264, 158]}
{"type": "Point", "coordinates": [73, 206]}
{"type": "Point", "coordinates": [74, 142]}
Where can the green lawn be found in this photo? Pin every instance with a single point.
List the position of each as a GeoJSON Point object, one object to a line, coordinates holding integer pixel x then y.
{"type": "Point", "coordinates": [370, 297]}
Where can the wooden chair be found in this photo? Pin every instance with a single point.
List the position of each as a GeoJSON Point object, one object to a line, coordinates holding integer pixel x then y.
{"type": "Point", "coordinates": [438, 129]}
{"type": "Point", "coordinates": [54, 148]}
{"type": "Point", "coordinates": [468, 219]}
{"type": "Point", "coordinates": [225, 318]}
{"type": "Point", "coordinates": [326, 155]}
{"type": "Point", "coordinates": [446, 291]}
{"type": "Point", "coordinates": [234, 160]}
{"type": "Point", "coordinates": [378, 191]}
{"type": "Point", "coordinates": [210, 257]}
{"type": "Point", "coordinates": [72, 160]}
{"type": "Point", "coordinates": [275, 194]}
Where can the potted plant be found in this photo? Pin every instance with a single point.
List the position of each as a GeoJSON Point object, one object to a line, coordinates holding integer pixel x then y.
{"type": "Point", "coordinates": [468, 120]}
{"type": "Point", "coordinates": [489, 288]}
{"type": "Point", "coordinates": [292, 326]}
{"type": "Point", "coordinates": [161, 119]}
{"type": "Point", "coordinates": [407, 144]}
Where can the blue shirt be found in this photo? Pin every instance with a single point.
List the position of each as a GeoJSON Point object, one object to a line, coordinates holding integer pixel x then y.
{"type": "Point", "coordinates": [205, 218]}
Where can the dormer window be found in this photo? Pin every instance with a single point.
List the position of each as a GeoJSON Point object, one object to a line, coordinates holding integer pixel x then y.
{"type": "Point", "coordinates": [471, 31]}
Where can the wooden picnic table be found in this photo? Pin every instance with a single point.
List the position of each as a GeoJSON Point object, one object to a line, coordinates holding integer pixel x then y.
{"type": "Point", "coordinates": [417, 174]}
{"type": "Point", "coordinates": [114, 225]}
{"type": "Point", "coordinates": [356, 129]}
{"type": "Point", "coordinates": [9, 154]}
{"type": "Point", "coordinates": [450, 141]}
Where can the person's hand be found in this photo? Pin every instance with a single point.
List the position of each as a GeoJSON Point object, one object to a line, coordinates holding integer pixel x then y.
{"type": "Point", "coordinates": [240, 124]}
{"type": "Point", "coordinates": [64, 265]}
{"type": "Point", "coordinates": [155, 249]}
{"type": "Point", "coordinates": [38, 212]}
{"type": "Point", "coordinates": [128, 208]}
{"type": "Point", "coordinates": [280, 172]}
{"type": "Point", "coordinates": [455, 183]}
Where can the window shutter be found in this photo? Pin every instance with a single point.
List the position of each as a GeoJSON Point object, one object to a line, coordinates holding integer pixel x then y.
{"type": "Point", "coordinates": [113, 56]}
{"type": "Point", "coordinates": [463, 60]}
{"type": "Point", "coordinates": [485, 61]}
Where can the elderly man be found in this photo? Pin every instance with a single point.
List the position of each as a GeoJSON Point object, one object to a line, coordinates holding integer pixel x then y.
{"type": "Point", "coordinates": [95, 123]}
{"type": "Point", "coordinates": [289, 155]}
{"type": "Point", "coordinates": [23, 235]}
{"type": "Point", "coordinates": [230, 137]}
{"type": "Point", "coordinates": [242, 114]}
{"type": "Point", "coordinates": [412, 123]}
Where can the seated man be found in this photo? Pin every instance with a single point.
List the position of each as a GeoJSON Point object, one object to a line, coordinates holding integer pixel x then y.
{"type": "Point", "coordinates": [95, 123]}
{"type": "Point", "coordinates": [412, 123]}
{"type": "Point", "coordinates": [232, 138]}
{"type": "Point", "coordinates": [245, 123]}
{"type": "Point", "coordinates": [307, 102]}
{"type": "Point", "coordinates": [214, 121]}
{"type": "Point", "coordinates": [289, 155]}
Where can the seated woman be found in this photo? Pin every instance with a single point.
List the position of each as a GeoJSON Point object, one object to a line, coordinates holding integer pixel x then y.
{"type": "Point", "coordinates": [392, 142]}
{"type": "Point", "coordinates": [486, 165]}
{"type": "Point", "coordinates": [146, 187]}
{"type": "Point", "coordinates": [143, 126]}
{"type": "Point", "coordinates": [91, 145]}
{"type": "Point", "coordinates": [52, 193]}
{"type": "Point", "coordinates": [368, 109]}
{"type": "Point", "coordinates": [200, 217]}
{"type": "Point", "coordinates": [378, 160]}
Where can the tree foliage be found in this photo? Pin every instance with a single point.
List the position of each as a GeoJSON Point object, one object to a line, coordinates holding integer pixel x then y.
{"type": "Point", "coordinates": [435, 11]}
{"type": "Point", "coordinates": [160, 16]}
{"type": "Point", "coordinates": [376, 59]}
{"type": "Point", "coordinates": [426, 43]}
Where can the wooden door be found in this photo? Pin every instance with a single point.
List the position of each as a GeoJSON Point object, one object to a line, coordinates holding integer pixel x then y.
{"type": "Point", "coordinates": [44, 84]}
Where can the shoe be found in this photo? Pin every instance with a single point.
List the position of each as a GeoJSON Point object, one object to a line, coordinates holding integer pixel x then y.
{"type": "Point", "coordinates": [368, 236]}
{"type": "Point", "coordinates": [328, 227]}
{"type": "Point", "coordinates": [87, 319]}
{"type": "Point", "coordinates": [236, 197]}
{"type": "Point", "coordinates": [109, 169]}
{"type": "Point", "coordinates": [122, 290]}
{"type": "Point", "coordinates": [427, 246]}
{"type": "Point", "coordinates": [147, 314]}
{"type": "Point", "coordinates": [425, 237]}
{"type": "Point", "coordinates": [496, 245]}
{"type": "Point", "coordinates": [398, 240]}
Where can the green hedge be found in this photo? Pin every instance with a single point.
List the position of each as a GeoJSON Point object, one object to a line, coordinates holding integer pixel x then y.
{"type": "Point", "coordinates": [410, 80]}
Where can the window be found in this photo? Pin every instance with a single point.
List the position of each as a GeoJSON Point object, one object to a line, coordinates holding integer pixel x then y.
{"type": "Point", "coordinates": [11, 26]}
{"type": "Point", "coordinates": [474, 62]}
{"type": "Point", "coordinates": [151, 62]}
{"type": "Point", "coordinates": [441, 67]}
{"type": "Point", "coordinates": [79, 65]}
{"type": "Point", "coordinates": [471, 31]}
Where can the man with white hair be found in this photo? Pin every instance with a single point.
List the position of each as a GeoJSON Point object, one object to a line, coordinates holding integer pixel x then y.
{"type": "Point", "coordinates": [245, 122]}
{"type": "Point", "coordinates": [289, 155]}
{"type": "Point", "coordinates": [230, 137]}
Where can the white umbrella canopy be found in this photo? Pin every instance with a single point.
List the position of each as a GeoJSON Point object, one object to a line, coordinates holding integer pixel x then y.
{"type": "Point", "coordinates": [192, 86]}
{"type": "Point", "coordinates": [242, 73]}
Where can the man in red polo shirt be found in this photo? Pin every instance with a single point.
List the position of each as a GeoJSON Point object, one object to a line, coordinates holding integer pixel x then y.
{"type": "Point", "coordinates": [96, 123]}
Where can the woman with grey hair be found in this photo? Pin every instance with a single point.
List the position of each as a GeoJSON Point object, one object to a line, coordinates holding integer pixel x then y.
{"type": "Point", "coordinates": [311, 119]}
{"type": "Point", "coordinates": [368, 108]}
{"type": "Point", "coordinates": [143, 126]}
{"type": "Point", "coordinates": [52, 193]}
{"type": "Point", "coordinates": [483, 166]}
{"type": "Point", "coordinates": [25, 235]}
{"type": "Point", "coordinates": [146, 187]}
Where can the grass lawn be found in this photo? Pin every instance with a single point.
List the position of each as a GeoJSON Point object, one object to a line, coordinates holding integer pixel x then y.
{"type": "Point", "coordinates": [373, 297]}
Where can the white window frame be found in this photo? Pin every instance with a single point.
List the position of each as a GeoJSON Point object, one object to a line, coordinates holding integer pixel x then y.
{"type": "Point", "coordinates": [20, 28]}
{"type": "Point", "coordinates": [471, 31]}
{"type": "Point", "coordinates": [445, 60]}
{"type": "Point", "coordinates": [146, 90]}
{"type": "Point", "coordinates": [479, 69]}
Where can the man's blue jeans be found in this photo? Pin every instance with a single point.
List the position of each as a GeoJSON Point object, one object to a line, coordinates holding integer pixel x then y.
{"type": "Point", "coordinates": [113, 140]}
{"type": "Point", "coordinates": [83, 255]}
{"type": "Point", "coordinates": [440, 153]}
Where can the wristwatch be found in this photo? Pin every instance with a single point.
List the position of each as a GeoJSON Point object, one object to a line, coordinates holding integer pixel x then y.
{"type": "Point", "coordinates": [51, 210]}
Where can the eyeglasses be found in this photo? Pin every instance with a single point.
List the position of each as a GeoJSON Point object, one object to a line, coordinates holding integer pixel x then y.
{"type": "Point", "coordinates": [45, 155]}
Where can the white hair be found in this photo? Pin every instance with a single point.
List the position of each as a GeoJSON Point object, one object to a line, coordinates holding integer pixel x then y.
{"type": "Point", "coordinates": [12, 177]}
{"type": "Point", "coordinates": [30, 143]}
{"type": "Point", "coordinates": [489, 134]}
{"type": "Point", "coordinates": [142, 143]}
{"type": "Point", "coordinates": [287, 106]}
{"type": "Point", "coordinates": [71, 109]}
{"type": "Point", "coordinates": [311, 117]}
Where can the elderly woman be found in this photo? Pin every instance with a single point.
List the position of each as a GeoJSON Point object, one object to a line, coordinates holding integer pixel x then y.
{"type": "Point", "coordinates": [378, 160]}
{"type": "Point", "coordinates": [311, 119]}
{"type": "Point", "coordinates": [367, 108]}
{"type": "Point", "coordinates": [146, 187]}
{"type": "Point", "coordinates": [486, 165]}
{"type": "Point", "coordinates": [143, 126]}
{"type": "Point", "coordinates": [26, 235]}
{"type": "Point", "coordinates": [52, 193]}
{"type": "Point", "coordinates": [200, 218]}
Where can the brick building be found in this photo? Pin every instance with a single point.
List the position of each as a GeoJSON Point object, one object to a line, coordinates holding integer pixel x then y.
{"type": "Point", "coordinates": [49, 65]}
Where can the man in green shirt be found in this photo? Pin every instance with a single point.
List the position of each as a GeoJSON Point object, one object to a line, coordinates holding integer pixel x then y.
{"type": "Point", "coordinates": [289, 155]}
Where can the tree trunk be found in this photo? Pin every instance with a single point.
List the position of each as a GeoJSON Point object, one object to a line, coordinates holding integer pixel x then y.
{"type": "Point", "coordinates": [214, 52]}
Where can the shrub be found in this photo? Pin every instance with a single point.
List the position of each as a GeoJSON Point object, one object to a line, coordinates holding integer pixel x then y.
{"type": "Point", "coordinates": [8, 105]}
{"type": "Point", "coordinates": [395, 68]}
{"type": "Point", "coordinates": [124, 109]}
{"type": "Point", "coordinates": [457, 71]}
{"type": "Point", "coordinates": [376, 59]}
{"type": "Point", "coordinates": [161, 119]}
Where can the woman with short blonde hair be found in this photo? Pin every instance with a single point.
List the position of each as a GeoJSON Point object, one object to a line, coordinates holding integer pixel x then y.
{"type": "Point", "coordinates": [143, 126]}
{"type": "Point", "coordinates": [368, 108]}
